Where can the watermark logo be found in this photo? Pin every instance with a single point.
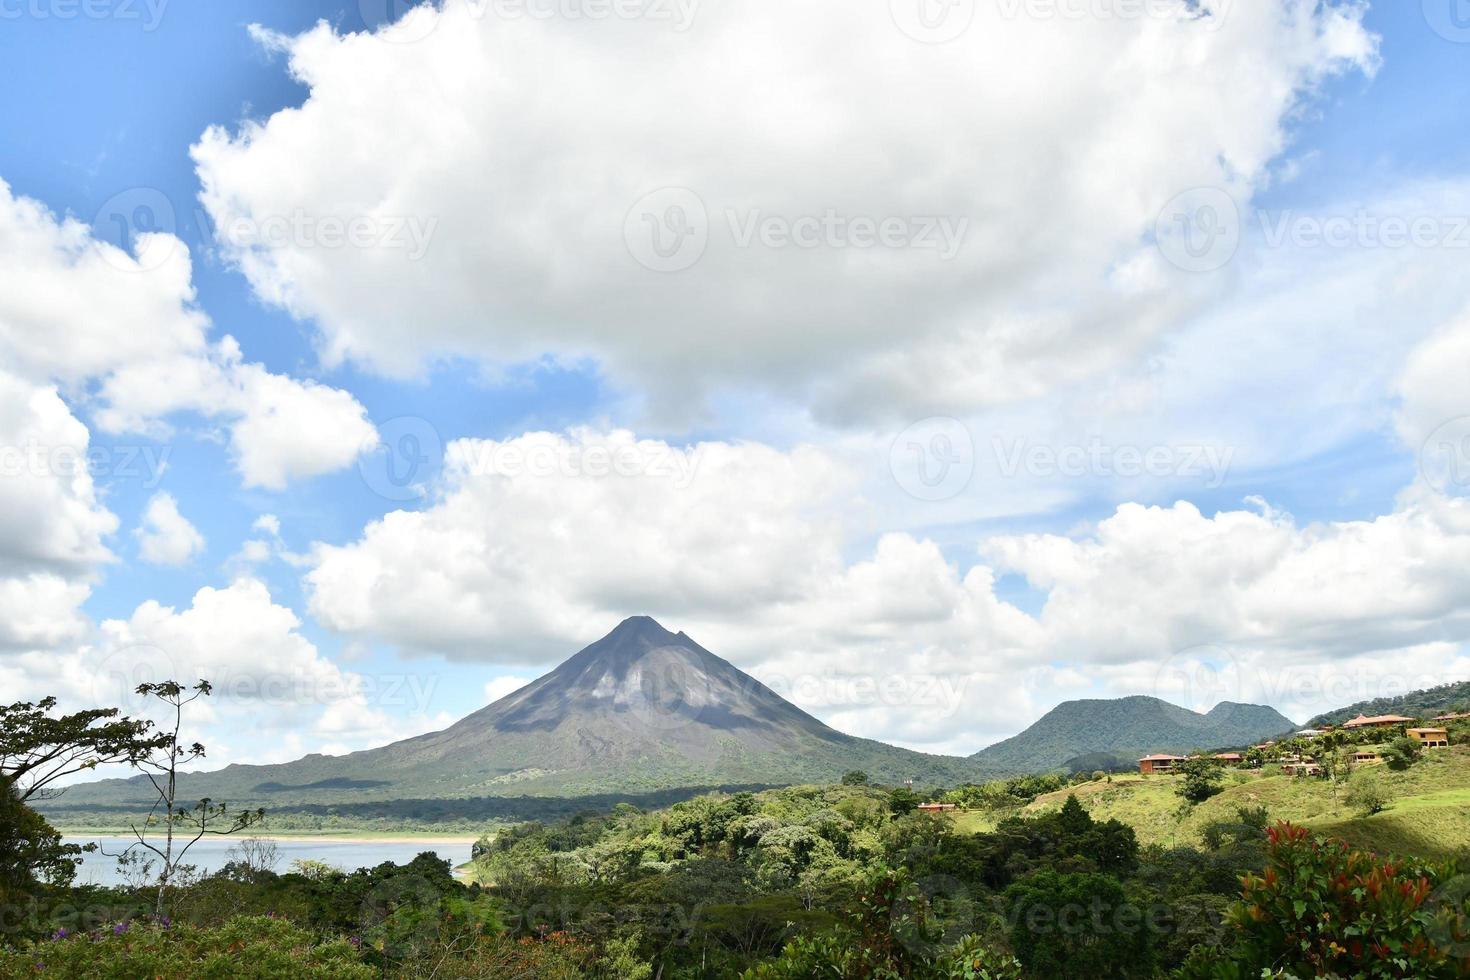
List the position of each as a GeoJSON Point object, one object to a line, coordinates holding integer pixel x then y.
{"type": "Point", "coordinates": [831, 229]}
{"type": "Point", "coordinates": [148, 13]}
{"type": "Point", "coordinates": [410, 234]}
{"type": "Point", "coordinates": [127, 218]}
{"type": "Point", "coordinates": [1450, 19]}
{"type": "Point", "coordinates": [1200, 677]}
{"type": "Point", "coordinates": [938, 695]}
{"type": "Point", "coordinates": [934, 459]}
{"type": "Point", "coordinates": [398, 468]}
{"type": "Point", "coordinates": [1444, 460]}
{"type": "Point", "coordinates": [932, 21]}
{"type": "Point", "coordinates": [113, 463]}
{"type": "Point", "coordinates": [1364, 229]}
{"type": "Point", "coordinates": [127, 668]}
{"type": "Point", "coordinates": [1097, 458]}
{"type": "Point", "coordinates": [545, 460]}
{"type": "Point", "coordinates": [1199, 230]}
{"type": "Point", "coordinates": [667, 230]}
{"type": "Point", "coordinates": [665, 692]}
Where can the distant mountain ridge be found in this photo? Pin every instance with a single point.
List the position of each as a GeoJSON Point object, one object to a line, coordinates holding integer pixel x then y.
{"type": "Point", "coordinates": [1086, 733]}
{"type": "Point", "coordinates": [640, 711]}
{"type": "Point", "coordinates": [1442, 700]}
{"type": "Point", "coordinates": [643, 713]}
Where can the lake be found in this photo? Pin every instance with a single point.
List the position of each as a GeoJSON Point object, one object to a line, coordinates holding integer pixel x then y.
{"type": "Point", "coordinates": [212, 853]}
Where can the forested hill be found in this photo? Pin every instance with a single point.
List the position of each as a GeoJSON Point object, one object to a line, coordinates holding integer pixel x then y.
{"type": "Point", "coordinates": [1096, 731]}
{"type": "Point", "coordinates": [1445, 699]}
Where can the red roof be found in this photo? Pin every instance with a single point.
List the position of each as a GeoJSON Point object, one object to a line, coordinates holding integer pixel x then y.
{"type": "Point", "coordinates": [1162, 758]}
{"type": "Point", "coordinates": [1376, 720]}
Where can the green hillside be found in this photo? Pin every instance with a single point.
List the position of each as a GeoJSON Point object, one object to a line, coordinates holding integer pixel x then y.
{"type": "Point", "coordinates": [1445, 699]}
{"type": "Point", "coordinates": [1428, 816]}
{"type": "Point", "coordinates": [1086, 735]}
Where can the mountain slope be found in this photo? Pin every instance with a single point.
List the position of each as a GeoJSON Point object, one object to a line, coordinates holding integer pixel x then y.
{"type": "Point", "coordinates": [639, 711]}
{"type": "Point", "coordinates": [1082, 733]}
{"type": "Point", "coordinates": [1445, 699]}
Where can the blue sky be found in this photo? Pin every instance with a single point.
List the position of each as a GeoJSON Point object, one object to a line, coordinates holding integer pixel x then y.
{"type": "Point", "coordinates": [111, 105]}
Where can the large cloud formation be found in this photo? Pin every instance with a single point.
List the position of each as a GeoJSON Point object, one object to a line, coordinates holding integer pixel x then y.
{"type": "Point", "coordinates": [119, 333]}
{"type": "Point", "coordinates": [807, 197]}
{"type": "Point", "coordinates": [753, 553]}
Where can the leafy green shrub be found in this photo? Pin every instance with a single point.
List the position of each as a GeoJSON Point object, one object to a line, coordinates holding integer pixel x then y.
{"type": "Point", "coordinates": [1401, 753]}
{"type": "Point", "coordinates": [247, 947]}
{"type": "Point", "coordinates": [1367, 795]}
{"type": "Point", "coordinates": [1324, 909]}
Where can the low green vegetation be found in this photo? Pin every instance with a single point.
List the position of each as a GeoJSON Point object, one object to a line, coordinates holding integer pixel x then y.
{"type": "Point", "coordinates": [1211, 873]}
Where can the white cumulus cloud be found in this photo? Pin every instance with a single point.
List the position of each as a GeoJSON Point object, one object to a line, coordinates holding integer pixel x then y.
{"type": "Point", "coordinates": [165, 536]}
{"type": "Point", "coordinates": [859, 220]}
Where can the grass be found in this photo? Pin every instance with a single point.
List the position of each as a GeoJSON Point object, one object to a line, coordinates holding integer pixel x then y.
{"type": "Point", "coordinates": [1429, 815]}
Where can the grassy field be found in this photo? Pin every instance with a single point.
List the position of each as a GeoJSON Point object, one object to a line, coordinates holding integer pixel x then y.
{"type": "Point", "coordinates": [1429, 814]}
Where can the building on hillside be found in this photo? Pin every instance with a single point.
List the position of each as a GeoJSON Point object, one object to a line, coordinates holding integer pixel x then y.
{"type": "Point", "coordinates": [1264, 745]}
{"type": "Point", "coordinates": [1454, 716]}
{"type": "Point", "coordinates": [1308, 733]}
{"type": "Point", "coordinates": [1229, 758]}
{"type": "Point", "coordinates": [938, 807]}
{"type": "Point", "coordinates": [1429, 738]}
{"type": "Point", "coordinates": [1377, 721]}
{"type": "Point", "coordinates": [1151, 764]}
{"type": "Point", "coordinates": [1365, 758]}
{"type": "Point", "coordinates": [1307, 768]}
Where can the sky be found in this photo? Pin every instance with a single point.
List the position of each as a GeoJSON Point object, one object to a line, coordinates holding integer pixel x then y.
{"type": "Point", "coordinates": [934, 362]}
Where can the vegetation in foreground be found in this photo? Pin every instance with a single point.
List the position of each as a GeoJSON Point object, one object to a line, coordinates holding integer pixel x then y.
{"type": "Point", "coordinates": [840, 881]}
{"type": "Point", "coordinates": [1037, 877]}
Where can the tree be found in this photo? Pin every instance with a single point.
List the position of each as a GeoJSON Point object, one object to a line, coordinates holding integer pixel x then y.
{"type": "Point", "coordinates": [160, 763]}
{"type": "Point", "coordinates": [31, 850]}
{"type": "Point", "coordinates": [856, 777]}
{"type": "Point", "coordinates": [903, 800]}
{"type": "Point", "coordinates": [1202, 778]}
{"type": "Point", "coordinates": [1077, 925]}
{"type": "Point", "coordinates": [36, 749]}
{"type": "Point", "coordinates": [1367, 795]}
{"type": "Point", "coordinates": [1336, 761]}
{"type": "Point", "coordinates": [1401, 753]}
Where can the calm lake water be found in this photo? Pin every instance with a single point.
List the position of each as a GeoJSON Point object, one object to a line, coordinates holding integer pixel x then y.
{"type": "Point", "coordinates": [212, 853]}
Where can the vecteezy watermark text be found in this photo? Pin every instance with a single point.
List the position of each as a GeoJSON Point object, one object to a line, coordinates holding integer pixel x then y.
{"type": "Point", "coordinates": [1202, 229]}
{"type": "Point", "coordinates": [1017, 457]}
{"type": "Point", "coordinates": [669, 230]}
{"type": "Point", "coordinates": [149, 13]}
{"type": "Point", "coordinates": [411, 234]}
{"type": "Point", "coordinates": [545, 460]}
{"type": "Point", "coordinates": [144, 464]}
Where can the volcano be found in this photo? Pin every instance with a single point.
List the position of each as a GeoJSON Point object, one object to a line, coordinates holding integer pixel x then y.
{"type": "Point", "coordinates": [640, 711]}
